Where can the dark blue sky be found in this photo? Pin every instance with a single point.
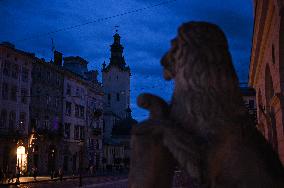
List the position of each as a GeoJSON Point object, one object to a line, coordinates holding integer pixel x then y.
{"type": "Point", "coordinates": [145, 35]}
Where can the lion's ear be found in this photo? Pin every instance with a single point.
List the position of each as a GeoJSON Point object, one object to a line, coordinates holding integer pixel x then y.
{"type": "Point", "coordinates": [168, 75]}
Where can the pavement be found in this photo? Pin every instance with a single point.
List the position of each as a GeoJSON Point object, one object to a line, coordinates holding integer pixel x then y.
{"type": "Point", "coordinates": [70, 182]}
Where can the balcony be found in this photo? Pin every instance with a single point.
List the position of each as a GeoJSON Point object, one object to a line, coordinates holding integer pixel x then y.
{"type": "Point", "coordinates": [97, 131]}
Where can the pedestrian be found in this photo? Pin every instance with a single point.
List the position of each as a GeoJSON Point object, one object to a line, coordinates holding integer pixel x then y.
{"type": "Point", "coordinates": [91, 170]}
{"type": "Point", "coordinates": [10, 176]}
{"type": "Point", "coordinates": [1, 176]}
{"type": "Point", "coordinates": [34, 172]}
{"type": "Point", "coordinates": [51, 174]}
{"type": "Point", "coordinates": [60, 173]}
{"type": "Point", "coordinates": [18, 174]}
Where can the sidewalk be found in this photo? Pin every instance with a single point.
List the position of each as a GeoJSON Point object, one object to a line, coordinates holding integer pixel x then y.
{"type": "Point", "coordinates": [47, 179]}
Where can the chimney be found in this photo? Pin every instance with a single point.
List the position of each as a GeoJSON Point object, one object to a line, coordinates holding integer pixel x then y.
{"type": "Point", "coordinates": [58, 58]}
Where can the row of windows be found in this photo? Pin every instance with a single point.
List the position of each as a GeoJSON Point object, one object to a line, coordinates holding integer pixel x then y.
{"type": "Point", "coordinates": [109, 97]}
{"type": "Point", "coordinates": [8, 120]}
{"type": "Point", "coordinates": [48, 76]}
{"type": "Point", "coordinates": [79, 131]}
{"type": "Point", "coordinates": [79, 110]}
{"type": "Point", "coordinates": [12, 70]}
{"type": "Point", "coordinates": [10, 92]}
{"type": "Point", "coordinates": [80, 92]}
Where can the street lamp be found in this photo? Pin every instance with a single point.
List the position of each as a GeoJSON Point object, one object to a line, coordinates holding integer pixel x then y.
{"type": "Point", "coordinates": [81, 143]}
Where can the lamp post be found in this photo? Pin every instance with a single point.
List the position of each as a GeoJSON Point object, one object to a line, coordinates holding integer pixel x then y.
{"type": "Point", "coordinates": [81, 143]}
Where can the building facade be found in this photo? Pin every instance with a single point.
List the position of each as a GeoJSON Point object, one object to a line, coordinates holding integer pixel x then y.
{"type": "Point", "coordinates": [82, 121]}
{"type": "Point", "coordinates": [15, 82]}
{"type": "Point", "coordinates": [46, 110]}
{"type": "Point", "coordinates": [266, 74]}
{"type": "Point", "coordinates": [249, 98]}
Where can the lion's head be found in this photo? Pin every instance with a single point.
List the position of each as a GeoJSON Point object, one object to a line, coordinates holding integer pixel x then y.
{"type": "Point", "coordinates": [206, 84]}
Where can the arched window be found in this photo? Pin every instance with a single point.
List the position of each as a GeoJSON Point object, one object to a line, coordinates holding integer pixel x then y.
{"type": "Point", "coordinates": [3, 118]}
{"type": "Point", "coordinates": [12, 118]}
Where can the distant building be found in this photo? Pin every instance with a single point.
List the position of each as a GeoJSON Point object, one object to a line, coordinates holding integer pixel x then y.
{"type": "Point", "coordinates": [117, 112]}
{"type": "Point", "coordinates": [82, 119]}
{"type": "Point", "coordinates": [266, 74]}
{"type": "Point", "coordinates": [15, 84]}
{"type": "Point", "coordinates": [248, 95]}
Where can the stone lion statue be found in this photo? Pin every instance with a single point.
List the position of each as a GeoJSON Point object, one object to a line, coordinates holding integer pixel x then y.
{"type": "Point", "coordinates": [205, 128]}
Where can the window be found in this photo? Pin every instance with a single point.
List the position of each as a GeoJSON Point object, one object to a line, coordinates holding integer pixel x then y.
{"type": "Point", "coordinates": [48, 99]}
{"type": "Point", "coordinates": [15, 71]}
{"type": "Point", "coordinates": [38, 93]}
{"type": "Point", "coordinates": [117, 97]}
{"type": "Point", "coordinates": [38, 72]}
{"type": "Point", "coordinates": [3, 118]}
{"type": "Point", "coordinates": [6, 69]}
{"type": "Point", "coordinates": [82, 94]}
{"type": "Point", "coordinates": [13, 94]}
{"type": "Point", "coordinates": [91, 143]}
{"type": "Point", "coordinates": [22, 121]}
{"type": "Point", "coordinates": [56, 104]}
{"type": "Point", "coordinates": [82, 133]}
{"type": "Point", "coordinates": [116, 77]}
{"type": "Point", "coordinates": [5, 91]}
{"type": "Point", "coordinates": [68, 107]}
{"type": "Point", "coordinates": [25, 75]}
{"type": "Point", "coordinates": [97, 124]}
{"type": "Point", "coordinates": [108, 98]}
{"type": "Point", "coordinates": [67, 130]}
{"type": "Point", "coordinates": [24, 96]}
{"type": "Point", "coordinates": [46, 123]}
{"type": "Point", "coordinates": [251, 104]}
{"type": "Point", "coordinates": [77, 92]}
{"type": "Point", "coordinates": [76, 132]}
{"type": "Point", "coordinates": [57, 80]}
{"type": "Point", "coordinates": [82, 111]}
{"type": "Point", "coordinates": [48, 76]}
{"type": "Point", "coordinates": [76, 110]}
{"type": "Point", "coordinates": [12, 117]}
{"type": "Point", "coordinates": [68, 89]}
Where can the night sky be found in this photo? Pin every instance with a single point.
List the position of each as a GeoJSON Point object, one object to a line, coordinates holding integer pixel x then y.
{"type": "Point", "coordinates": [145, 34]}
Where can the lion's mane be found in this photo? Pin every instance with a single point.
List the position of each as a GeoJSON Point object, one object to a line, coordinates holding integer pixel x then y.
{"type": "Point", "coordinates": [206, 84]}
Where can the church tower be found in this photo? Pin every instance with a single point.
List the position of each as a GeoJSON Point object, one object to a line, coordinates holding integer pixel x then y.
{"type": "Point", "coordinates": [116, 84]}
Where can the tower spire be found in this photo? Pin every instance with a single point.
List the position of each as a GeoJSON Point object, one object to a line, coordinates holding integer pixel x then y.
{"type": "Point", "coordinates": [116, 28]}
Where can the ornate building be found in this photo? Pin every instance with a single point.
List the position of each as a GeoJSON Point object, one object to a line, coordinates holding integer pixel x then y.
{"type": "Point", "coordinates": [117, 112]}
{"type": "Point", "coordinates": [266, 74]}
{"type": "Point", "coordinates": [15, 83]}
